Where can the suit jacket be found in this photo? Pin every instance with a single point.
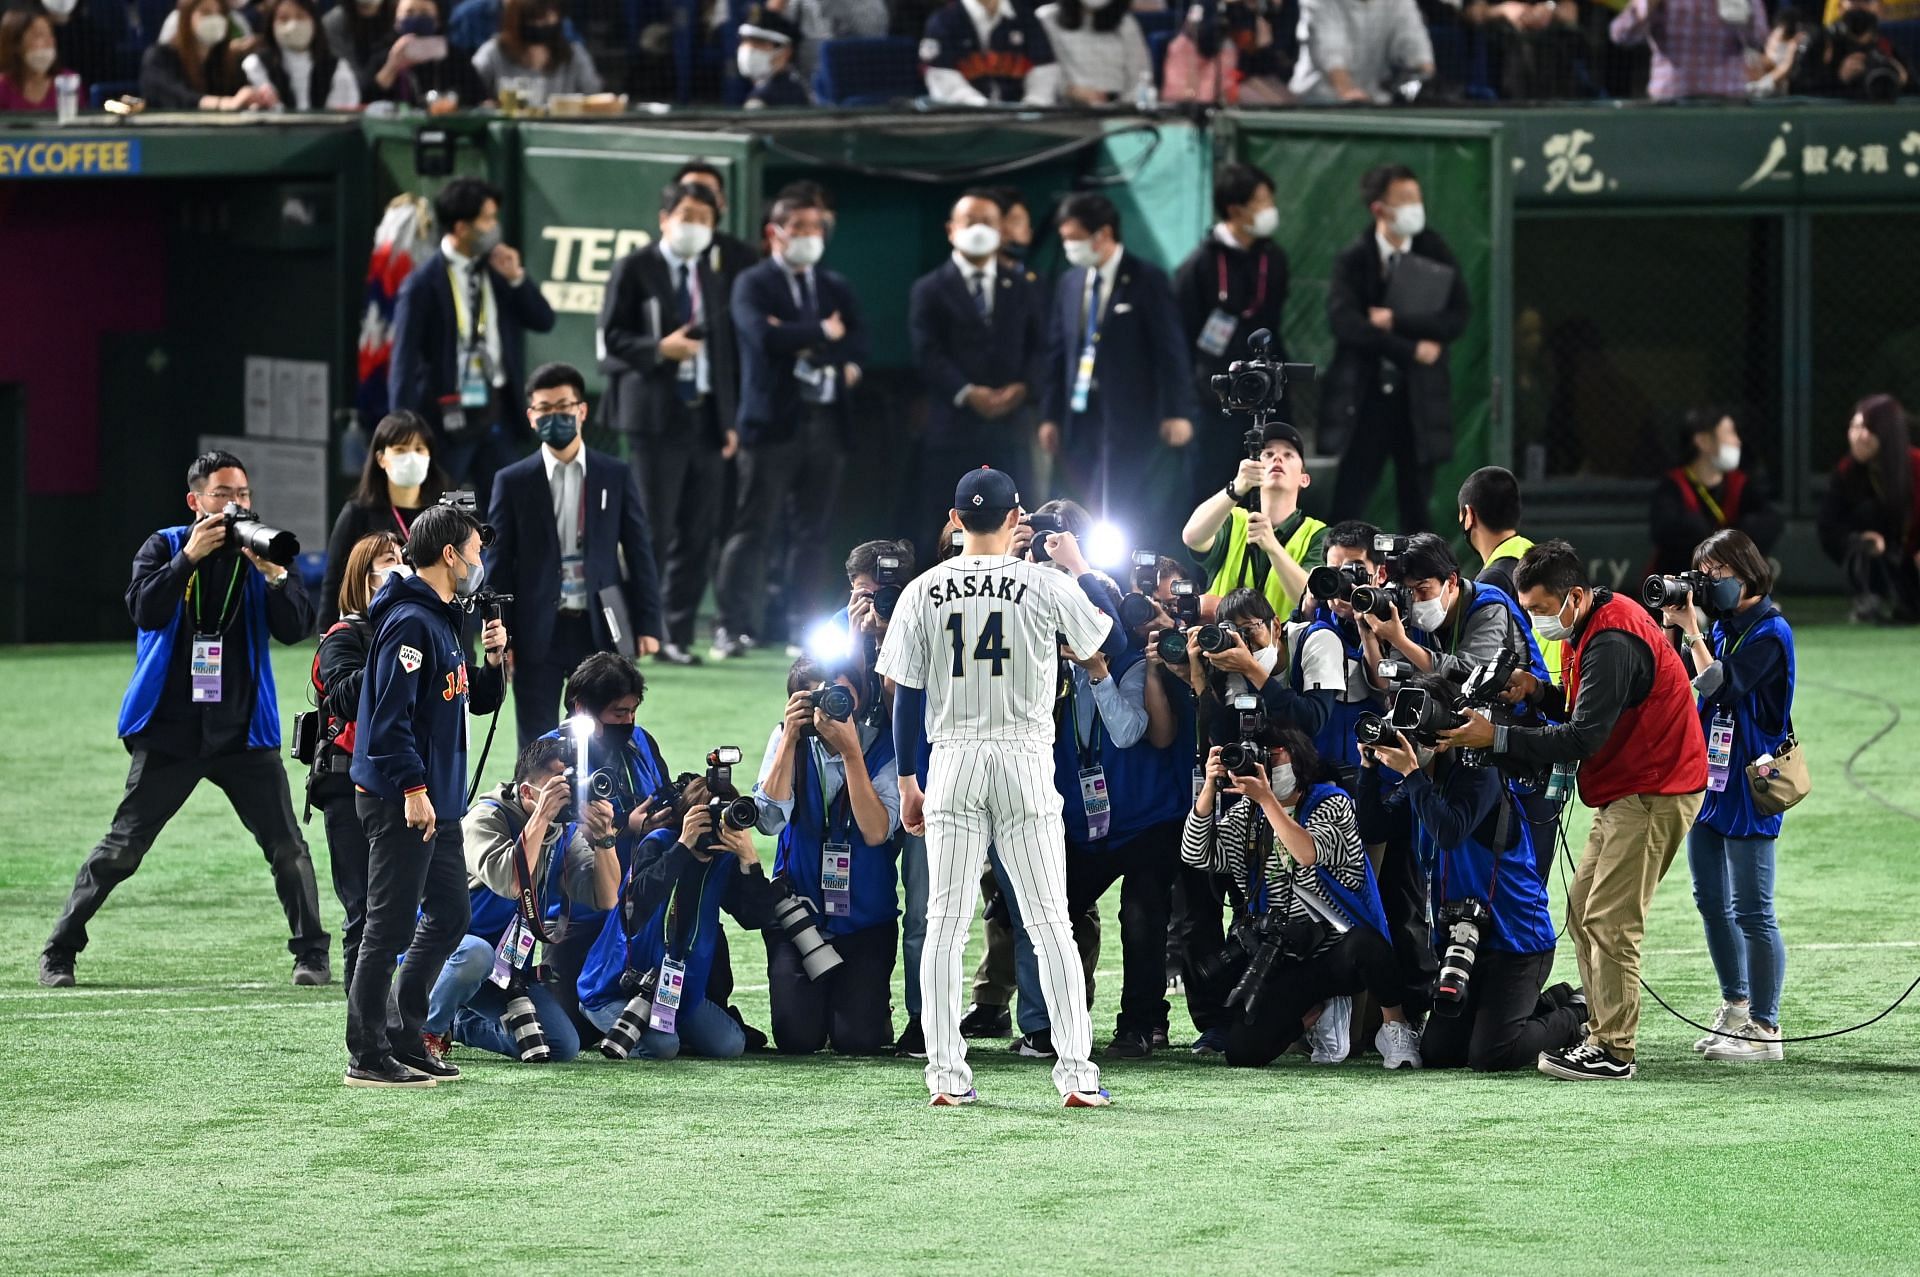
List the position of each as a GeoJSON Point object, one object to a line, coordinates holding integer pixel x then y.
{"type": "Point", "coordinates": [426, 356]}
{"type": "Point", "coordinates": [1141, 372]}
{"type": "Point", "coordinates": [1353, 381]}
{"type": "Point", "coordinates": [954, 347]}
{"type": "Point", "coordinates": [642, 394]}
{"type": "Point", "coordinates": [770, 404]}
{"type": "Point", "coordinates": [524, 559]}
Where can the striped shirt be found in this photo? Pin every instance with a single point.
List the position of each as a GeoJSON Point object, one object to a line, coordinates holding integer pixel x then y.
{"type": "Point", "coordinates": [1225, 847]}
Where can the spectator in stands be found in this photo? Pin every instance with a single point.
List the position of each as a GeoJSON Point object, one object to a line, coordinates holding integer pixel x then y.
{"type": "Point", "coordinates": [1870, 521]}
{"type": "Point", "coordinates": [1101, 52]}
{"type": "Point", "coordinates": [1540, 46]}
{"type": "Point", "coordinates": [830, 20]}
{"type": "Point", "coordinates": [1352, 50]}
{"type": "Point", "coordinates": [91, 37]}
{"type": "Point", "coordinates": [981, 51]}
{"type": "Point", "coordinates": [459, 325]}
{"type": "Point", "coordinates": [198, 69]}
{"type": "Point", "coordinates": [360, 32]}
{"type": "Point", "coordinates": [1700, 47]}
{"type": "Point", "coordinates": [1709, 490]}
{"type": "Point", "coordinates": [298, 66]}
{"type": "Point", "coordinates": [416, 63]}
{"type": "Point", "coordinates": [533, 48]}
{"type": "Point", "coordinates": [398, 481]}
{"type": "Point", "coordinates": [1851, 58]}
{"type": "Point", "coordinates": [769, 43]}
{"type": "Point", "coordinates": [29, 57]}
{"type": "Point", "coordinates": [1234, 283]}
{"type": "Point", "coordinates": [1226, 52]}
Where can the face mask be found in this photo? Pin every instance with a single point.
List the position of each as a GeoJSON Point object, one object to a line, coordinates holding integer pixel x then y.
{"type": "Point", "coordinates": [1018, 252]}
{"type": "Point", "coordinates": [1281, 779]}
{"type": "Point", "coordinates": [805, 250]}
{"type": "Point", "coordinates": [407, 469]}
{"type": "Point", "coordinates": [557, 429]}
{"type": "Point", "coordinates": [1729, 456]}
{"type": "Point", "coordinates": [296, 37]}
{"type": "Point", "coordinates": [1080, 252]}
{"type": "Point", "coordinates": [60, 8]}
{"type": "Point", "coordinates": [376, 581]}
{"type": "Point", "coordinates": [1723, 599]}
{"type": "Point", "coordinates": [976, 240]}
{"type": "Point", "coordinates": [1409, 220]}
{"type": "Point", "coordinates": [40, 61]}
{"type": "Point", "coordinates": [1859, 23]}
{"type": "Point", "coordinates": [1266, 658]}
{"type": "Point", "coordinates": [1428, 614]}
{"type": "Point", "coordinates": [210, 29]}
{"type": "Point", "coordinates": [688, 239]}
{"type": "Point", "coordinates": [754, 64]}
{"type": "Point", "coordinates": [486, 241]}
{"type": "Point", "coordinates": [418, 24]}
{"type": "Point", "coordinates": [1266, 222]}
{"type": "Point", "coordinates": [1552, 628]}
{"type": "Point", "coordinates": [618, 735]}
{"type": "Point", "coordinates": [469, 585]}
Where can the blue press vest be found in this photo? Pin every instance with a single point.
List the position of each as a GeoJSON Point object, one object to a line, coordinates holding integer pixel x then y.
{"type": "Point", "coordinates": [1509, 882]}
{"type": "Point", "coordinates": [613, 952]}
{"type": "Point", "coordinates": [1335, 741]}
{"type": "Point", "coordinates": [1364, 907]}
{"type": "Point", "coordinates": [1731, 812]}
{"type": "Point", "coordinates": [1136, 775]}
{"type": "Point", "coordinates": [876, 877]}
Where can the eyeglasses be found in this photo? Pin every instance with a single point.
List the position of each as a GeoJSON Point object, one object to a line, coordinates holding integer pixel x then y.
{"type": "Point", "coordinates": [541, 410]}
{"type": "Point", "coordinates": [230, 494]}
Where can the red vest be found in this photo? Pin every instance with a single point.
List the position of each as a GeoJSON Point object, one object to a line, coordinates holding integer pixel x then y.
{"type": "Point", "coordinates": [1736, 483]}
{"type": "Point", "coordinates": [1656, 747]}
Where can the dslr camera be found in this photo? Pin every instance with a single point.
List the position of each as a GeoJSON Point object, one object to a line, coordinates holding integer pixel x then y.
{"type": "Point", "coordinates": [888, 579]}
{"type": "Point", "coordinates": [1043, 525]}
{"type": "Point", "coordinates": [730, 809]}
{"type": "Point", "coordinates": [1241, 757]}
{"type": "Point", "coordinates": [1676, 591]}
{"type": "Point", "coordinates": [1185, 609]}
{"type": "Point", "coordinates": [1255, 946]}
{"type": "Point", "coordinates": [1421, 715]}
{"type": "Point", "coordinates": [1379, 601]}
{"type": "Point", "coordinates": [1463, 923]}
{"type": "Point", "coordinates": [1136, 608]}
{"type": "Point", "coordinates": [1336, 585]}
{"type": "Point", "coordinates": [246, 532]}
{"type": "Point", "coordinates": [834, 700]}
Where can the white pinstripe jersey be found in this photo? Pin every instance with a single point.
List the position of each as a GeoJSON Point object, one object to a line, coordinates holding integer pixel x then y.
{"type": "Point", "coordinates": [981, 635]}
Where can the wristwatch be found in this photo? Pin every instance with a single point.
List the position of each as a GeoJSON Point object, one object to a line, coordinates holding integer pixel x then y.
{"type": "Point", "coordinates": [1233, 494]}
{"type": "Point", "coordinates": [603, 844]}
{"type": "Point", "coordinates": [1691, 639]}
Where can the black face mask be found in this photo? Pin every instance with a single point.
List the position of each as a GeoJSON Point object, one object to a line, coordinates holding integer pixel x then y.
{"type": "Point", "coordinates": [540, 32]}
{"type": "Point", "coordinates": [617, 735]}
{"type": "Point", "coordinates": [1859, 23]}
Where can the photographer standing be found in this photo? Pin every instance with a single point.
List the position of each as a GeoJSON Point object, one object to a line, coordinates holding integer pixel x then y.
{"type": "Point", "coordinates": [1453, 624]}
{"type": "Point", "coordinates": [1744, 673]}
{"type": "Point", "coordinates": [1272, 547]}
{"type": "Point", "coordinates": [829, 788]}
{"type": "Point", "coordinates": [201, 706]}
{"type": "Point", "coordinates": [1631, 727]}
{"type": "Point", "coordinates": [410, 764]}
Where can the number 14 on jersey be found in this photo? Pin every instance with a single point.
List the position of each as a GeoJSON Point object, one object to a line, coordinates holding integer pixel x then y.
{"type": "Point", "coordinates": [990, 646]}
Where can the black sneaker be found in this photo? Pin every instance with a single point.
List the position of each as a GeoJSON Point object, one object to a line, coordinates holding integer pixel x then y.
{"type": "Point", "coordinates": [1160, 1039]}
{"type": "Point", "coordinates": [912, 1044]}
{"type": "Point", "coordinates": [1033, 1046]}
{"type": "Point", "coordinates": [756, 1040]}
{"type": "Point", "coordinates": [984, 1021]}
{"type": "Point", "coordinates": [56, 969]}
{"type": "Point", "coordinates": [388, 1073]}
{"type": "Point", "coordinates": [1585, 1063]}
{"type": "Point", "coordinates": [429, 1063]}
{"type": "Point", "coordinates": [312, 971]}
{"type": "Point", "coordinates": [1130, 1044]}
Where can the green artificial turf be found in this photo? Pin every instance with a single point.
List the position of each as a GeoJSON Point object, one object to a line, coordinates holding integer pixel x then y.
{"type": "Point", "coordinates": [182, 1109]}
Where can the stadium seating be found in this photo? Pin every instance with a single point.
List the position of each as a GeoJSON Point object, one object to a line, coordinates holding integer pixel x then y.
{"type": "Point", "coordinates": [868, 72]}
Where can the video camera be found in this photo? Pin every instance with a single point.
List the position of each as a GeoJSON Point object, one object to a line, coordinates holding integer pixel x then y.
{"type": "Point", "coordinates": [1256, 386]}
{"type": "Point", "coordinates": [245, 531]}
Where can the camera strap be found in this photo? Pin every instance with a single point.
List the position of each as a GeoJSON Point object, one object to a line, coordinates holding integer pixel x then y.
{"type": "Point", "coordinates": [529, 900]}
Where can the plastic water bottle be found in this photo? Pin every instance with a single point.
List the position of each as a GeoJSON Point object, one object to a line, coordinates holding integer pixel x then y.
{"type": "Point", "coordinates": [1145, 96]}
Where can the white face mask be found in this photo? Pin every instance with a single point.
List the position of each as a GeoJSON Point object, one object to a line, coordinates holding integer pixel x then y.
{"type": "Point", "coordinates": [60, 8]}
{"type": "Point", "coordinates": [1409, 220]}
{"type": "Point", "coordinates": [1080, 252]}
{"type": "Point", "coordinates": [1266, 222]}
{"type": "Point", "coordinates": [754, 64]}
{"type": "Point", "coordinates": [407, 469]}
{"type": "Point", "coordinates": [40, 61]}
{"type": "Point", "coordinates": [1266, 658]}
{"type": "Point", "coordinates": [1729, 456]}
{"type": "Point", "coordinates": [688, 239]}
{"type": "Point", "coordinates": [1552, 628]}
{"type": "Point", "coordinates": [977, 240]}
{"type": "Point", "coordinates": [1281, 779]}
{"type": "Point", "coordinates": [805, 250]}
{"type": "Point", "coordinates": [1428, 614]}
{"type": "Point", "coordinates": [294, 36]}
{"type": "Point", "coordinates": [210, 28]}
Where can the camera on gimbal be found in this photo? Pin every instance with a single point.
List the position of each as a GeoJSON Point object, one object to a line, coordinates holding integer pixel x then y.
{"type": "Point", "coordinates": [1257, 385]}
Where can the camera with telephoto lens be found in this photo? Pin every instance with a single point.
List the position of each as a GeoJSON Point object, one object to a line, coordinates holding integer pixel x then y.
{"type": "Point", "coordinates": [799, 923]}
{"type": "Point", "coordinates": [1422, 713]}
{"type": "Point", "coordinates": [625, 1034]}
{"type": "Point", "coordinates": [1464, 923]}
{"type": "Point", "coordinates": [1044, 526]}
{"type": "Point", "coordinates": [1337, 584]}
{"type": "Point", "coordinates": [1258, 384]}
{"type": "Point", "coordinates": [1137, 607]}
{"type": "Point", "coordinates": [888, 578]}
{"type": "Point", "coordinates": [523, 1022]}
{"type": "Point", "coordinates": [1255, 946]}
{"type": "Point", "coordinates": [1676, 591]}
{"type": "Point", "coordinates": [1243, 756]}
{"type": "Point", "coordinates": [246, 532]}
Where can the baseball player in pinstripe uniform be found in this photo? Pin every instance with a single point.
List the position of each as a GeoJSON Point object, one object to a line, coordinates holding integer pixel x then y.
{"type": "Point", "coordinates": [973, 651]}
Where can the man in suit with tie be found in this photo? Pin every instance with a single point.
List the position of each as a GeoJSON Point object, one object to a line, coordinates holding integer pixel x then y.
{"type": "Point", "coordinates": [1388, 391]}
{"type": "Point", "coordinates": [730, 254]}
{"type": "Point", "coordinates": [801, 346]}
{"type": "Point", "coordinates": [563, 519]}
{"type": "Point", "coordinates": [1119, 402]}
{"type": "Point", "coordinates": [979, 337]}
{"type": "Point", "coordinates": [458, 335]}
{"type": "Point", "coordinates": [667, 349]}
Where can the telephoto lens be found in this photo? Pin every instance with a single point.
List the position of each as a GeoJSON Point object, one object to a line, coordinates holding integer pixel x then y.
{"type": "Point", "coordinates": [795, 919]}
{"type": "Point", "coordinates": [621, 1039]}
{"type": "Point", "coordinates": [1378, 601]}
{"type": "Point", "coordinates": [1370, 729]}
{"type": "Point", "coordinates": [1215, 636]}
{"type": "Point", "coordinates": [1136, 610]}
{"type": "Point", "coordinates": [271, 544]}
{"type": "Point", "coordinates": [524, 1023]}
{"type": "Point", "coordinates": [1464, 922]}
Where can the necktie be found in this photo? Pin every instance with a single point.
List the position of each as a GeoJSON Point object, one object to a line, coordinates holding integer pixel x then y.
{"type": "Point", "coordinates": [1393, 264]}
{"type": "Point", "coordinates": [979, 286]}
{"type": "Point", "coordinates": [808, 309]}
{"type": "Point", "coordinates": [682, 295]}
{"type": "Point", "coordinates": [1093, 306]}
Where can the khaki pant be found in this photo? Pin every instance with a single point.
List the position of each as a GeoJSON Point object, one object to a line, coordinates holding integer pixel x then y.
{"type": "Point", "coordinates": [1633, 841]}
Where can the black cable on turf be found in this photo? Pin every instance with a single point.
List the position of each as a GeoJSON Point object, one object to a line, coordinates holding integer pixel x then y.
{"type": "Point", "coordinates": [1892, 722]}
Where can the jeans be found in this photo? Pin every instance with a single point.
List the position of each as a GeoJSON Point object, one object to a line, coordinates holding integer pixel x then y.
{"type": "Point", "coordinates": [705, 1030]}
{"type": "Point", "coordinates": [479, 1023]}
{"type": "Point", "coordinates": [851, 1006]}
{"type": "Point", "coordinates": [459, 980]}
{"type": "Point", "coordinates": [1733, 888]}
{"type": "Point", "coordinates": [1504, 1023]}
{"type": "Point", "coordinates": [913, 915]}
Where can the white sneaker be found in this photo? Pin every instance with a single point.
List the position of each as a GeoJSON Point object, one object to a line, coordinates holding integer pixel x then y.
{"type": "Point", "coordinates": [1757, 1043]}
{"type": "Point", "coordinates": [1730, 1018]}
{"type": "Point", "coordinates": [1330, 1037]}
{"type": "Point", "coordinates": [1398, 1044]}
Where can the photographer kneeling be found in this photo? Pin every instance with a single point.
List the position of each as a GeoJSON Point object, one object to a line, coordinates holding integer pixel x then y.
{"type": "Point", "coordinates": [530, 857]}
{"type": "Point", "coordinates": [1489, 898]}
{"type": "Point", "coordinates": [1310, 923]}
{"type": "Point", "coordinates": [831, 794]}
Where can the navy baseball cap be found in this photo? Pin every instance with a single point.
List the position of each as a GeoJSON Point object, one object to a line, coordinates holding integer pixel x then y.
{"type": "Point", "coordinates": [1281, 432]}
{"type": "Point", "coordinates": [985, 489]}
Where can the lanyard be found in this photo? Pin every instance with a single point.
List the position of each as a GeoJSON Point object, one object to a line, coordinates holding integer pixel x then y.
{"type": "Point", "coordinates": [1706, 499]}
{"type": "Point", "coordinates": [826, 804]}
{"type": "Point", "coordinates": [199, 604]}
{"type": "Point", "coordinates": [478, 334]}
{"type": "Point", "coordinates": [673, 913]}
{"type": "Point", "coordinates": [1094, 303]}
{"type": "Point", "coordinates": [529, 904]}
{"type": "Point", "coordinates": [1260, 288]}
{"type": "Point", "coordinates": [1092, 743]}
{"type": "Point", "coordinates": [402, 522]}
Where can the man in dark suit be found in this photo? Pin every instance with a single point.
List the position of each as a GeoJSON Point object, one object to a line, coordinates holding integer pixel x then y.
{"type": "Point", "coordinates": [1389, 391]}
{"type": "Point", "coordinates": [979, 337]}
{"type": "Point", "coordinates": [458, 345]}
{"type": "Point", "coordinates": [563, 520]}
{"type": "Point", "coordinates": [730, 254]}
{"type": "Point", "coordinates": [667, 349]}
{"type": "Point", "coordinates": [1119, 400]}
{"type": "Point", "coordinates": [801, 345]}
